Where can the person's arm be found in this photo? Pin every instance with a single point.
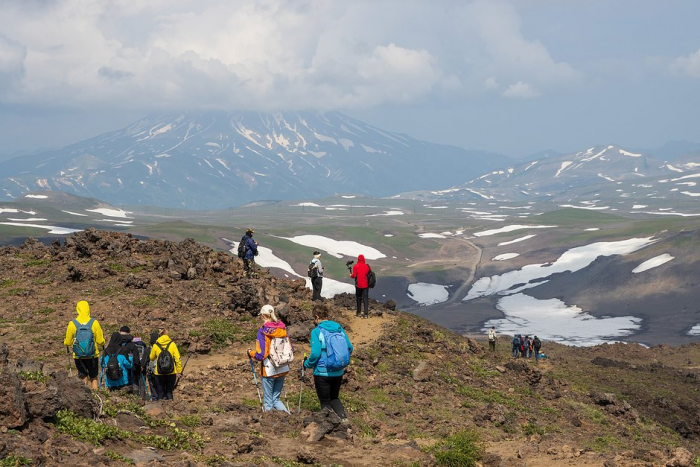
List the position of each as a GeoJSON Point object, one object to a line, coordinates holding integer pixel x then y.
{"type": "Point", "coordinates": [353, 273]}
{"type": "Point", "coordinates": [176, 356]}
{"type": "Point", "coordinates": [315, 355]}
{"type": "Point", "coordinates": [70, 334]}
{"type": "Point", "coordinates": [128, 362]}
{"type": "Point", "coordinates": [347, 339]}
{"type": "Point", "coordinates": [154, 353]}
{"type": "Point", "coordinates": [259, 352]}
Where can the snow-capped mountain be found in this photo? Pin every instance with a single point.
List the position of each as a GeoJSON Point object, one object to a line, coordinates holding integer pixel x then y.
{"type": "Point", "coordinates": [602, 169]}
{"type": "Point", "coordinates": [217, 159]}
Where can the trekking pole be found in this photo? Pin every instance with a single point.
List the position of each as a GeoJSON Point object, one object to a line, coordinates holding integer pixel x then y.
{"type": "Point", "coordinates": [255, 380]}
{"type": "Point", "coordinates": [179, 377]}
{"type": "Point", "coordinates": [145, 388]}
{"type": "Point", "coordinates": [70, 366]}
{"type": "Point", "coordinates": [301, 382]}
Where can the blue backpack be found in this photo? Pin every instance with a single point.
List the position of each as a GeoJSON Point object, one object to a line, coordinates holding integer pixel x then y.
{"type": "Point", "coordinates": [84, 341]}
{"type": "Point", "coordinates": [337, 352]}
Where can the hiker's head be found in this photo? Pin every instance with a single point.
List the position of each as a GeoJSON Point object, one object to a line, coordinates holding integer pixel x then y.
{"type": "Point", "coordinates": [249, 232]}
{"type": "Point", "coordinates": [124, 330]}
{"type": "Point", "coordinates": [115, 342]}
{"type": "Point", "coordinates": [361, 259]}
{"type": "Point", "coordinates": [493, 327]}
{"type": "Point", "coordinates": [83, 309]}
{"type": "Point", "coordinates": [321, 314]}
{"type": "Point", "coordinates": [317, 254]}
{"type": "Point", "coordinates": [268, 313]}
{"type": "Point", "coordinates": [154, 337]}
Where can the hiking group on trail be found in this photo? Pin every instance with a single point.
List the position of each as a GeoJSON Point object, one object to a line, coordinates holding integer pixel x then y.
{"type": "Point", "coordinates": [526, 347]}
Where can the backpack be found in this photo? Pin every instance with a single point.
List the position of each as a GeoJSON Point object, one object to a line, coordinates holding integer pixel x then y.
{"type": "Point", "coordinates": [313, 270]}
{"type": "Point", "coordinates": [165, 364]}
{"type": "Point", "coordinates": [371, 279]}
{"type": "Point", "coordinates": [281, 351]}
{"type": "Point", "coordinates": [114, 369]}
{"type": "Point", "coordinates": [337, 352]}
{"type": "Point", "coordinates": [516, 341]}
{"type": "Point", "coordinates": [141, 348]}
{"type": "Point", "coordinates": [84, 341]}
{"type": "Point", "coordinates": [537, 343]}
{"type": "Point", "coordinates": [242, 247]}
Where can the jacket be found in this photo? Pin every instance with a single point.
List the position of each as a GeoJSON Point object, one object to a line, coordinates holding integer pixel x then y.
{"type": "Point", "coordinates": [318, 265]}
{"type": "Point", "coordinates": [359, 273]}
{"type": "Point", "coordinates": [83, 310]}
{"type": "Point", "coordinates": [126, 364]}
{"type": "Point", "coordinates": [317, 359]}
{"type": "Point", "coordinates": [164, 340]}
{"type": "Point", "coordinates": [129, 348]}
{"type": "Point", "coordinates": [251, 247]}
{"type": "Point", "coordinates": [266, 333]}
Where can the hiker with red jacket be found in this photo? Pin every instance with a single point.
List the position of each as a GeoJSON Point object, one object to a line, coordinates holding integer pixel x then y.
{"type": "Point", "coordinates": [359, 273]}
{"type": "Point", "coordinates": [272, 377]}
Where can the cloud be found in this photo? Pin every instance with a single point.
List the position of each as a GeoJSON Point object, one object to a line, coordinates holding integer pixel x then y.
{"type": "Point", "coordinates": [520, 90]}
{"type": "Point", "coordinates": [689, 66]}
{"type": "Point", "coordinates": [12, 56]}
{"type": "Point", "coordinates": [269, 55]}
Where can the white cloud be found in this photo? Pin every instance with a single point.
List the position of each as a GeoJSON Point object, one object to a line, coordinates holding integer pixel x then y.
{"type": "Point", "coordinates": [520, 90]}
{"type": "Point", "coordinates": [689, 65]}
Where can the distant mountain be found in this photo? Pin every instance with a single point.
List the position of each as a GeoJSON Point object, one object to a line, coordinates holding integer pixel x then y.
{"type": "Point", "coordinates": [607, 171]}
{"type": "Point", "coordinates": [674, 150]}
{"type": "Point", "coordinates": [217, 159]}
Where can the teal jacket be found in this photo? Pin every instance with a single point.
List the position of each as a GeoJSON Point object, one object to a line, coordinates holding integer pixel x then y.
{"type": "Point", "coordinates": [317, 359]}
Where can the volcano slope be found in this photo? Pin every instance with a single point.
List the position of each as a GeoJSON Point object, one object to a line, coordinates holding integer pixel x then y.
{"type": "Point", "coordinates": [416, 393]}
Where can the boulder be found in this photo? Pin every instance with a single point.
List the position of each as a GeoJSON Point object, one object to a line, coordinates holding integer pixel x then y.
{"type": "Point", "coordinates": [12, 411]}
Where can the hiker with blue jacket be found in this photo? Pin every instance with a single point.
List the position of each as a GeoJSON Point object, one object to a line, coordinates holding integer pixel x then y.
{"type": "Point", "coordinates": [116, 363]}
{"type": "Point", "coordinates": [330, 354]}
{"type": "Point", "coordinates": [251, 251]}
{"type": "Point", "coordinates": [84, 335]}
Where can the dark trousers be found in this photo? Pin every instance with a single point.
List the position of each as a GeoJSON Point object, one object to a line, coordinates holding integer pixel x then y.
{"type": "Point", "coordinates": [328, 392]}
{"type": "Point", "coordinates": [249, 266]}
{"type": "Point", "coordinates": [153, 384]}
{"type": "Point", "coordinates": [362, 296]}
{"type": "Point", "coordinates": [492, 346]}
{"type": "Point", "coordinates": [317, 284]}
{"type": "Point", "coordinates": [164, 386]}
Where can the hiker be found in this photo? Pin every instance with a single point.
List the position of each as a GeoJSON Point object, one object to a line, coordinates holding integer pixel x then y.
{"type": "Point", "coordinates": [316, 275]}
{"type": "Point", "coordinates": [328, 366]}
{"type": "Point", "coordinates": [537, 345]}
{"type": "Point", "coordinates": [359, 273]}
{"type": "Point", "coordinates": [151, 367]}
{"type": "Point", "coordinates": [129, 348]}
{"type": "Point", "coordinates": [167, 366]}
{"type": "Point", "coordinates": [522, 346]}
{"type": "Point", "coordinates": [251, 251]}
{"type": "Point", "coordinates": [527, 347]}
{"type": "Point", "coordinates": [272, 377]}
{"type": "Point", "coordinates": [84, 334]}
{"type": "Point", "coordinates": [116, 363]}
{"type": "Point", "coordinates": [516, 346]}
{"type": "Point", "coordinates": [492, 339]}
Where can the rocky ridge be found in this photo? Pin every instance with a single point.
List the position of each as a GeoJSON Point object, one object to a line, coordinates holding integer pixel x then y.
{"type": "Point", "coordinates": [411, 385]}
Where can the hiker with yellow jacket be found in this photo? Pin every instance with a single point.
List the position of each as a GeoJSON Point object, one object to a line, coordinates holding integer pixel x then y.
{"type": "Point", "coordinates": [166, 371]}
{"type": "Point", "coordinates": [84, 335]}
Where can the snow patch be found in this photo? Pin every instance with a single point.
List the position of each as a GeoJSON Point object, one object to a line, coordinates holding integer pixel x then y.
{"type": "Point", "coordinates": [428, 294]}
{"type": "Point", "coordinates": [652, 263]}
{"type": "Point", "coordinates": [505, 256]}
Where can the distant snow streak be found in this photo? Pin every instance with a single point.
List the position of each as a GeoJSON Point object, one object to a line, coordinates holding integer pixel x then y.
{"type": "Point", "coordinates": [652, 263]}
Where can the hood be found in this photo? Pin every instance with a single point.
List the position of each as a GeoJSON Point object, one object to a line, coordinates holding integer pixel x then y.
{"type": "Point", "coordinates": [83, 310]}
{"type": "Point", "coordinates": [361, 259]}
{"type": "Point", "coordinates": [154, 337]}
{"type": "Point", "coordinates": [126, 338]}
{"type": "Point", "coordinates": [272, 329]}
{"type": "Point", "coordinates": [164, 340]}
{"type": "Point", "coordinates": [115, 343]}
{"type": "Point", "coordinates": [331, 326]}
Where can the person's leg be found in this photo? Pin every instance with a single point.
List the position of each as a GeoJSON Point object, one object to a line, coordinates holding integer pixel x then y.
{"type": "Point", "coordinates": [323, 391]}
{"type": "Point", "coordinates": [169, 386]}
{"type": "Point", "coordinates": [93, 368]}
{"type": "Point", "coordinates": [155, 390]}
{"type": "Point", "coordinates": [316, 288]}
{"type": "Point", "coordinates": [278, 385]}
{"type": "Point", "coordinates": [268, 385]}
{"type": "Point", "coordinates": [337, 406]}
{"type": "Point", "coordinates": [365, 300]}
{"type": "Point", "coordinates": [160, 386]}
{"type": "Point", "coordinates": [358, 301]}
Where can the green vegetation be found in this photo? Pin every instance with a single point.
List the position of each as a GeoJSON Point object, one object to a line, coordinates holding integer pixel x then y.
{"type": "Point", "coordinates": [570, 217]}
{"type": "Point", "coordinates": [148, 300]}
{"type": "Point", "coordinates": [37, 262]}
{"type": "Point", "coordinates": [602, 443]}
{"type": "Point", "coordinates": [15, 460]}
{"type": "Point", "coordinates": [463, 449]}
{"type": "Point", "coordinates": [223, 331]}
{"type": "Point", "coordinates": [486, 395]}
{"type": "Point", "coordinates": [46, 310]}
{"type": "Point", "coordinates": [116, 267]}
{"type": "Point", "coordinates": [118, 457]}
{"type": "Point", "coordinates": [190, 421]}
{"type": "Point", "coordinates": [37, 376]}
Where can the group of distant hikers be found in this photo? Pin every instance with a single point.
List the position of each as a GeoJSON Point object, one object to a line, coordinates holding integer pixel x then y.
{"type": "Point", "coordinates": [365, 278]}
{"type": "Point", "coordinates": [521, 346]}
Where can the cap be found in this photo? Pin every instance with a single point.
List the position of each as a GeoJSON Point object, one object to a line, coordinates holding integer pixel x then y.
{"type": "Point", "coordinates": [250, 231]}
{"type": "Point", "coordinates": [267, 309]}
{"type": "Point", "coordinates": [316, 252]}
{"type": "Point", "coordinates": [125, 329]}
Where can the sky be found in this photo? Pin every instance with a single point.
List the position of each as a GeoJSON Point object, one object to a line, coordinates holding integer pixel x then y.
{"type": "Point", "coordinates": [508, 76]}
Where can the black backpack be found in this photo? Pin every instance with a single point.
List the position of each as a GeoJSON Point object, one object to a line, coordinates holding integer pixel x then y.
{"type": "Point", "coordinates": [371, 279]}
{"type": "Point", "coordinates": [143, 353]}
{"type": "Point", "coordinates": [165, 364]}
{"type": "Point", "coordinates": [537, 343]}
{"type": "Point", "coordinates": [114, 369]}
{"type": "Point", "coordinates": [313, 270]}
{"type": "Point", "coordinates": [242, 247]}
